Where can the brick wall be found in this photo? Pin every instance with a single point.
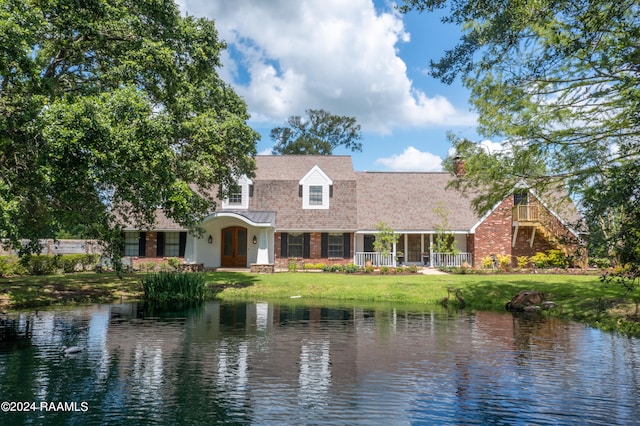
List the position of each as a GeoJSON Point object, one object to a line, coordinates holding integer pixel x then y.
{"type": "Point", "coordinates": [150, 245]}
{"type": "Point", "coordinates": [494, 235]}
{"type": "Point", "coordinates": [315, 251]}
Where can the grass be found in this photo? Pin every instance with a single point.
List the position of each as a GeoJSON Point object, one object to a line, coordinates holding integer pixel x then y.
{"type": "Point", "coordinates": [579, 297]}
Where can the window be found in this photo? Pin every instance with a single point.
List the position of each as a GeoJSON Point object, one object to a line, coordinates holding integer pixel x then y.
{"type": "Point", "coordinates": [315, 195]}
{"type": "Point", "coordinates": [131, 243]}
{"type": "Point", "coordinates": [295, 244]}
{"type": "Point", "coordinates": [520, 198]}
{"type": "Point", "coordinates": [239, 194]}
{"type": "Point", "coordinates": [235, 195]}
{"type": "Point", "coordinates": [172, 244]}
{"type": "Point", "coordinates": [315, 189]}
{"type": "Point", "coordinates": [336, 245]}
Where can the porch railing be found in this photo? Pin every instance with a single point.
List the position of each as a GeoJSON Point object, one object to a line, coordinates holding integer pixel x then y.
{"type": "Point", "coordinates": [437, 260]}
{"type": "Point", "coordinates": [447, 259]}
{"type": "Point", "coordinates": [376, 259]}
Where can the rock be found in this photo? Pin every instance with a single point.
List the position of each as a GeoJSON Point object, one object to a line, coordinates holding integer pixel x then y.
{"type": "Point", "coordinates": [548, 304]}
{"type": "Point", "coordinates": [524, 299]}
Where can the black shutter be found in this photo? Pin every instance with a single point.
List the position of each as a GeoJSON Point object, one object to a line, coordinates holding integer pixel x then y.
{"type": "Point", "coordinates": [300, 191]}
{"type": "Point", "coordinates": [183, 244]}
{"type": "Point", "coordinates": [284, 244]}
{"type": "Point", "coordinates": [324, 245]}
{"type": "Point", "coordinates": [306, 245]}
{"type": "Point", "coordinates": [160, 244]}
{"type": "Point", "coordinates": [250, 190]}
{"type": "Point", "coordinates": [347, 245]}
{"type": "Point", "coordinates": [142, 244]}
{"type": "Point", "coordinates": [330, 191]}
{"type": "Point", "coordinates": [123, 243]}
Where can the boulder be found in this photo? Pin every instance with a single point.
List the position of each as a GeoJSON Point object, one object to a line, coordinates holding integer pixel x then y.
{"type": "Point", "coordinates": [525, 299]}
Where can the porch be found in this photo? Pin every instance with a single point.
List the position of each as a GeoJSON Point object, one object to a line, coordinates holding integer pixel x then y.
{"type": "Point", "coordinates": [434, 260]}
{"type": "Point", "coordinates": [412, 248]}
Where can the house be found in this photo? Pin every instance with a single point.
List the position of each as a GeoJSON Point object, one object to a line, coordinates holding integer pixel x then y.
{"type": "Point", "coordinates": [319, 209]}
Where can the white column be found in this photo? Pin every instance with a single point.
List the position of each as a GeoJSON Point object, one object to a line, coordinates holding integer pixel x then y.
{"type": "Point", "coordinates": [263, 248]}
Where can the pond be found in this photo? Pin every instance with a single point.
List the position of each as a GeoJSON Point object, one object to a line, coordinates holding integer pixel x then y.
{"type": "Point", "coordinates": [264, 363]}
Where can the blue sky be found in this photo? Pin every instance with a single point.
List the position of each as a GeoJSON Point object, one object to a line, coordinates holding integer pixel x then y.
{"type": "Point", "coordinates": [357, 58]}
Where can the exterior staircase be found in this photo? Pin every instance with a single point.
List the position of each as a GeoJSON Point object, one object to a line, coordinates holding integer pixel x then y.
{"type": "Point", "coordinates": [543, 224]}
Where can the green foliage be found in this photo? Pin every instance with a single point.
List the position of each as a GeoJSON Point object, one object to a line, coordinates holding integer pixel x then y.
{"type": "Point", "coordinates": [351, 268]}
{"type": "Point", "coordinates": [174, 263]}
{"type": "Point", "coordinates": [292, 266]}
{"type": "Point", "coordinates": [444, 241]}
{"type": "Point", "coordinates": [110, 110]}
{"type": "Point", "coordinates": [320, 134]}
{"type": "Point", "coordinates": [539, 260]}
{"type": "Point", "coordinates": [523, 261]}
{"type": "Point", "coordinates": [487, 262]}
{"type": "Point", "coordinates": [384, 270]}
{"type": "Point", "coordinates": [385, 239]}
{"type": "Point", "coordinates": [558, 83]}
{"type": "Point", "coordinates": [166, 287]}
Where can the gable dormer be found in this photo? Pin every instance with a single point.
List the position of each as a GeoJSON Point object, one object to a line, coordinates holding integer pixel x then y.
{"type": "Point", "coordinates": [315, 189]}
{"type": "Point", "coordinates": [238, 197]}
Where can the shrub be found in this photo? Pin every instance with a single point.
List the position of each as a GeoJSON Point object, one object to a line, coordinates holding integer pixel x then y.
{"type": "Point", "coordinates": [557, 259]}
{"type": "Point", "coordinates": [39, 264]}
{"type": "Point", "coordinates": [368, 269]}
{"type": "Point", "coordinates": [398, 270]}
{"type": "Point", "coordinates": [504, 260]}
{"type": "Point", "coordinates": [540, 260]}
{"type": "Point", "coordinates": [523, 261]}
{"type": "Point", "coordinates": [384, 270]}
{"type": "Point", "coordinates": [174, 287]}
{"type": "Point", "coordinates": [174, 262]}
{"type": "Point", "coordinates": [599, 262]}
{"type": "Point", "coordinates": [413, 269]}
{"type": "Point", "coordinates": [351, 268]}
{"type": "Point", "coordinates": [337, 268]}
{"type": "Point", "coordinates": [293, 265]}
{"type": "Point", "coordinates": [487, 262]}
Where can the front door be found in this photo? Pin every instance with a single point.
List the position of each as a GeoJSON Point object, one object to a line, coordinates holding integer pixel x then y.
{"type": "Point", "coordinates": [234, 247]}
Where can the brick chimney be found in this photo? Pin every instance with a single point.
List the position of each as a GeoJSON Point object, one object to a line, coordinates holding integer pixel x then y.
{"type": "Point", "coordinates": [458, 166]}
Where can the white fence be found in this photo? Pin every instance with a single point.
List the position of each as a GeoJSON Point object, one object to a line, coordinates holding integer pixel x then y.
{"type": "Point", "coordinates": [376, 259]}
{"type": "Point", "coordinates": [51, 246]}
{"type": "Point", "coordinates": [437, 260]}
{"type": "Point", "coordinates": [447, 259]}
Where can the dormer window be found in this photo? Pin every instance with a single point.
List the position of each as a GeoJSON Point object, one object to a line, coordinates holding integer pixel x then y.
{"type": "Point", "coordinates": [315, 195]}
{"type": "Point", "coordinates": [239, 194]}
{"type": "Point", "coordinates": [315, 189]}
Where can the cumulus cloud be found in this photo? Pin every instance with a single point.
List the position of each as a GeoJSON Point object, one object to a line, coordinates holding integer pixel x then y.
{"type": "Point", "coordinates": [337, 55]}
{"type": "Point", "coordinates": [412, 160]}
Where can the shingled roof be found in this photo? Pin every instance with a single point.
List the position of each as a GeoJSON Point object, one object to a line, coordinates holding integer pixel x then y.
{"type": "Point", "coordinates": [294, 167]}
{"type": "Point", "coordinates": [406, 201]}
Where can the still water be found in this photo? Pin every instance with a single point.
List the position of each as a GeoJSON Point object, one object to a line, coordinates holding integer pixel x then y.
{"type": "Point", "coordinates": [261, 363]}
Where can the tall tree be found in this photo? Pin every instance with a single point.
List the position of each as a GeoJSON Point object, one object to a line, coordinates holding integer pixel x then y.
{"type": "Point", "coordinates": [109, 110]}
{"type": "Point", "coordinates": [559, 81]}
{"type": "Point", "coordinates": [320, 134]}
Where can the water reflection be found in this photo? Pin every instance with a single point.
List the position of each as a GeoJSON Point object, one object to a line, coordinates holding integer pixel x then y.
{"type": "Point", "coordinates": [266, 363]}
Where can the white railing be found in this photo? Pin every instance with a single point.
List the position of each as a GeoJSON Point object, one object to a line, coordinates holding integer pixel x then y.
{"type": "Point", "coordinates": [447, 259]}
{"type": "Point", "coordinates": [376, 258]}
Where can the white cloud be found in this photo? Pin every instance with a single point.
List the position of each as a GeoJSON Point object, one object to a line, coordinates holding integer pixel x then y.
{"type": "Point", "coordinates": [331, 54]}
{"type": "Point", "coordinates": [412, 160]}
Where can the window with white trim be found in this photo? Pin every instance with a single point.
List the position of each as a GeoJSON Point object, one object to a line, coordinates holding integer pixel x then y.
{"type": "Point", "coordinates": [315, 188]}
{"type": "Point", "coordinates": [315, 195]}
{"type": "Point", "coordinates": [238, 195]}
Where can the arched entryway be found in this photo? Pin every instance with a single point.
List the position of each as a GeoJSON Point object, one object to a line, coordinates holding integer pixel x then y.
{"type": "Point", "coordinates": [234, 247]}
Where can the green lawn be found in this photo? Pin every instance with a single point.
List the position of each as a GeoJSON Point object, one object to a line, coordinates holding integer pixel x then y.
{"type": "Point", "coordinates": [579, 297]}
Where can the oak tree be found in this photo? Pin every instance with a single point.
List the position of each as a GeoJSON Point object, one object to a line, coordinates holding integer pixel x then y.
{"type": "Point", "coordinates": [319, 134]}
{"type": "Point", "coordinates": [109, 110]}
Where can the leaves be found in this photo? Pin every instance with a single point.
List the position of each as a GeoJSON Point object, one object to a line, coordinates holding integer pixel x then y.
{"type": "Point", "coordinates": [109, 110]}
{"type": "Point", "coordinates": [321, 134]}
